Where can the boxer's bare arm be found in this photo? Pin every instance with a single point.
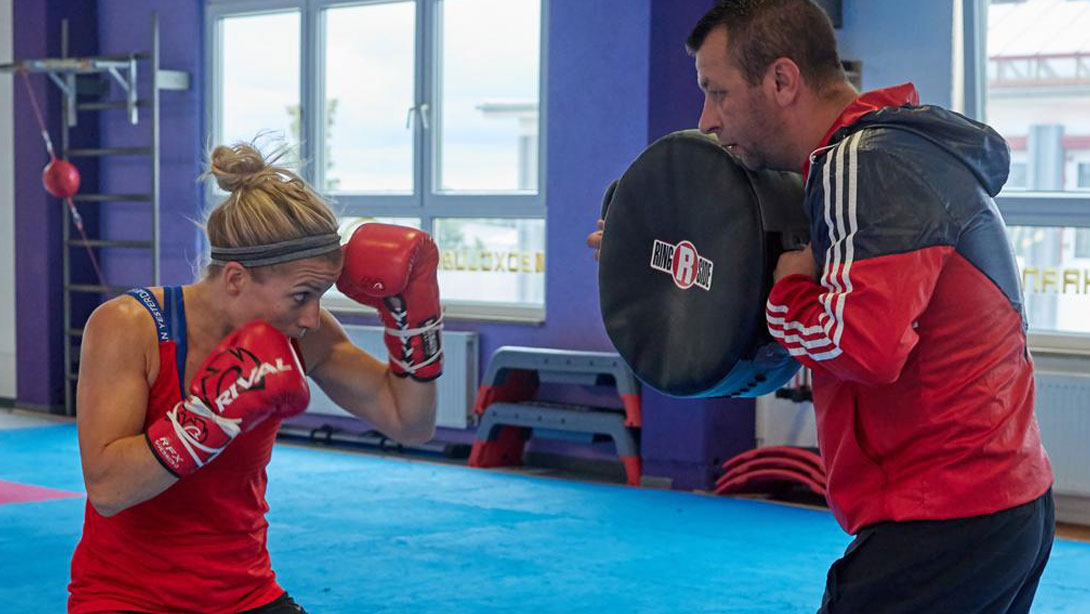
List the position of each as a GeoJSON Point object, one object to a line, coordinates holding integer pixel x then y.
{"type": "Point", "coordinates": [402, 408]}
{"type": "Point", "coordinates": [119, 469]}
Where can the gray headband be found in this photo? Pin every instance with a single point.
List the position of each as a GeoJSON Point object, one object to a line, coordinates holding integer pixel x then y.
{"type": "Point", "coordinates": [277, 253]}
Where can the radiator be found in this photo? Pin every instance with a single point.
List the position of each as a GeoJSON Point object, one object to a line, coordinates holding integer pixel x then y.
{"type": "Point", "coordinates": [1063, 412]}
{"type": "Point", "coordinates": [781, 422]}
{"type": "Point", "coordinates": [457, 387]}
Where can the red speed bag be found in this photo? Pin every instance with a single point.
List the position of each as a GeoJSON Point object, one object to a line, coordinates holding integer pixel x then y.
{"type": "Point", "coordinates": [60, 178]}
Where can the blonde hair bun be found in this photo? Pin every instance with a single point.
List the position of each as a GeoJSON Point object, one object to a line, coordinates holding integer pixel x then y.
{"type": "Point", "coordinates": [237, 166]}
{"type": "Point", "coordinates": [266, 203]}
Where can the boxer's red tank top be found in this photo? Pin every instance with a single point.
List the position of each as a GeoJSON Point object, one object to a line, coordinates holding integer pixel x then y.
{"type": "Point", "coordinates": [199, 546]}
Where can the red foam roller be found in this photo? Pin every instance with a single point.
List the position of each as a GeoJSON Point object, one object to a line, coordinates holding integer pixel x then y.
{"type": "Point", "coordinates": [773, 462]}
{"type": "Point", "coordinates": [763, 479]}
{"type": "Point", "coordinates": [791, 452]}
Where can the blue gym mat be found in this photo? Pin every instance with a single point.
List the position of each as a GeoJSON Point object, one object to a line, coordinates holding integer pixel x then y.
{"type": "Point", "coordinates": [355, 533]}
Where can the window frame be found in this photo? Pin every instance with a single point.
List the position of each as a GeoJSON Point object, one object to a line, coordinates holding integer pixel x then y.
{"type": "Point", "coordinates": [349, 204]}
{"type": "Point", "coordinates": [1019, 207]}
{"type": "Point", "coordinates": [216, 10]}
{"type": "Point", "coordinates": [425, 203]}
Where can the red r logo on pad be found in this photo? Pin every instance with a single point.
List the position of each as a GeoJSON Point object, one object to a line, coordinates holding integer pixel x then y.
{"type": "Point", "coordinates": [683, 263]}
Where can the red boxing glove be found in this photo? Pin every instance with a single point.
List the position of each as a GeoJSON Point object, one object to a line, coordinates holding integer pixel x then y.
{"type": "Point", "coordinates": [392, 268]}
{"type": "Point", "coordinates": [253, 374]}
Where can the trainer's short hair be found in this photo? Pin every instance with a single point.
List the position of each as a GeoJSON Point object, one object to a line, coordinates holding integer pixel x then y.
{"type": "Point", "coordinates": [761, 31]}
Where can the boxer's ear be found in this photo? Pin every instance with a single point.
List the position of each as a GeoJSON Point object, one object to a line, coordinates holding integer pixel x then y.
{"type": "Point", "coordinates": [235, 278]}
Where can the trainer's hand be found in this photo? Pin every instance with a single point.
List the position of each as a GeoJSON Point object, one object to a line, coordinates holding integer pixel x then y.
{"type": "Point", "coordinates": [252, 375]}
{"type": "Point", "coordinates": [796, 262]}
{"type": "Point", "coordinates": [594, 239]}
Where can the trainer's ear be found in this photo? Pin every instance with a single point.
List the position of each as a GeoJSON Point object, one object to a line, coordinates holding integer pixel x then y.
{"type": "Point", "coordinates": [784, 80]}
{"type": "Point", "coordinates": [235, 277]}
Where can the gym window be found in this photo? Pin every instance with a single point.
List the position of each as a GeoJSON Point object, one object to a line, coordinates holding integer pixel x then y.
{"type": "Point", "coordinates": [426, 113]}
{"type": "Point", "coordinates": [1027, 74]}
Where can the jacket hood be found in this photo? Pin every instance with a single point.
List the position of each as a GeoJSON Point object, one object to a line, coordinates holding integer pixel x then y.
{"type": "Point", "coordinates": [978, 146]}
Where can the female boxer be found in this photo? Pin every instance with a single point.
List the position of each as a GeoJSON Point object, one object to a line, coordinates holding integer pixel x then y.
{"type": "Point", "coordinates": [182, 389]}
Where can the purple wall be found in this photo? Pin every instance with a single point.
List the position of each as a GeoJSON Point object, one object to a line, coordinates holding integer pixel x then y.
{"type": "Point", "coordinates": [684, 439]}
{"type": "Point", "coordinates": [618, 78]}
{"type": "Point", "coordinates": [618, 71]}
{"type": "Point", "coordinates": [124, 26]}
{"type": "Point", "coordinates": [38, 219]}
{"type": "Point", "coordinates": [674, 98]}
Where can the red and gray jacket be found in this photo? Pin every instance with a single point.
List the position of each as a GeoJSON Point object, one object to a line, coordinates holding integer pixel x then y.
{"type": "Point", "coordinates": [915, 330]}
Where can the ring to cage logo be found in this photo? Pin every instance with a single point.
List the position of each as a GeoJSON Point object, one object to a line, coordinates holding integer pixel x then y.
{"type": "Point", "coordinates": [687, 267]}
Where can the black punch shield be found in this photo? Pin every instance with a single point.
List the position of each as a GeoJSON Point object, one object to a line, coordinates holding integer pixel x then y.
{"type": "Point", "coordinates": [685, 268]}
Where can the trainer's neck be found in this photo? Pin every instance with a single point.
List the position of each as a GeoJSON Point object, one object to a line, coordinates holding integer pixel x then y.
{"type": "Point", "coordinates": [827, 108]}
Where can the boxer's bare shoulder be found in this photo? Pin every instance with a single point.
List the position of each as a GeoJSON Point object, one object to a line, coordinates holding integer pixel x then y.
{"type": "Point", "coordinates": [122, 325]}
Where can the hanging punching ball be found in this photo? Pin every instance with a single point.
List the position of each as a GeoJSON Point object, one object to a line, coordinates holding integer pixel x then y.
{"type": "Point", "coordinates": [60, 178]}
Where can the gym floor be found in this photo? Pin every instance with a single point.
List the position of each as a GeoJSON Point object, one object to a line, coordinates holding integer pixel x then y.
{"type": "Point", "coordinates": [355, 532]}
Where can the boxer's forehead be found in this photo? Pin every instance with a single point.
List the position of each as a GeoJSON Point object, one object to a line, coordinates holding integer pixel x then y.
{"type": "Point", "coordinates": [318, 271]}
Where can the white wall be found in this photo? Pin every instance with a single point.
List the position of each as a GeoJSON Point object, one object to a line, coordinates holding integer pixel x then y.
{"type": "Point", "coordinates": [902, 41]}
{"type": "Point", "coordinates": [7, 211]}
